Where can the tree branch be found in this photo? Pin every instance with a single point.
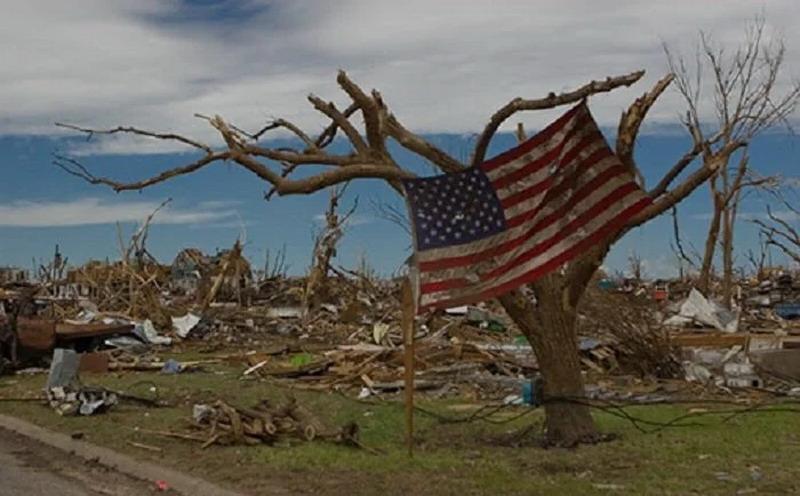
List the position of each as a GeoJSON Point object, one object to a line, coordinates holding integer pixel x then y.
{"type": "Point", "coordinates": [330, 110]}
{"type": "Point", "coordinates": [139, 132]}
{"type": "Point", "coordinates": [75, 168]}
{"type": "Point", "coordinates": [422, 147]}
{"type": "Point", "coordinates": [550, 101]}
{"type": "Point", "coordinates": [631, 120]}
{"type": "Point", "coordinates": [371, 112]}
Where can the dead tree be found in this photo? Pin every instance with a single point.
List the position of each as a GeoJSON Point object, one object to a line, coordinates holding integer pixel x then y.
{"type": "Point", "coordinates": [316, 291]}
{"type": "Point", "coordinates": [758, 260]}
{"type": "Point", "coordinates": [686, 261]}
{"type": "Point", "coordinates": [745, 101]}
{"type": "Point", "coordinates": [636, 267]}
{"type": "Point", "coordinates": [780, 233]}
{"type": "Point", "coordinates": [549, 323]}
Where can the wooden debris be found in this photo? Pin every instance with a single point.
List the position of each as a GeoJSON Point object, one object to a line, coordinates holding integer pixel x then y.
{"type": "Point", "coordinates": [267, 423]}
{"type": "Point", "coordinates": [147, 447]}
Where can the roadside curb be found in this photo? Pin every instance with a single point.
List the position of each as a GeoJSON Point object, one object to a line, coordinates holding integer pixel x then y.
{"type": "Point", "coordinates": [178, 481]}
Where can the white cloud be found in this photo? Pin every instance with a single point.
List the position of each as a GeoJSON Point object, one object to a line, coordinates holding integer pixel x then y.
{"type": "Point", "coordinates": [441, 66]}
{"type": "Point", "coordinates": [88, 211]}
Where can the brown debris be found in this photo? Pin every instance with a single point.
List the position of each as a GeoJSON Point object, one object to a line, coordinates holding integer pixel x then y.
{"type": "Point", "coordinates": [268, 423]}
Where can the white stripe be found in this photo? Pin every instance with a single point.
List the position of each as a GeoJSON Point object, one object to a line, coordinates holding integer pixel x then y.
{"type": "Point", "coordinates": [542, 149]}
{"type": "Point", "coordinates": [541, 174]}
{"type": "Point", "coordinates": [532, 202]}
{"type": "Point", "coordinates": [589, 229]}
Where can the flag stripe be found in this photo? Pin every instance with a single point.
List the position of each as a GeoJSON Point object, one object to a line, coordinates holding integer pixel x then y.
{"type": "Point", "coordinates": [593, 155]}
{"type": "Point", "coordinates": [541, 137]}
{"type": "Point", "coordinates": [582, 174]}
{"type": "Point", "coordinates": [577, 145]}
{"type": "Point", "coordinates": [579, 124]}
{"type": "Point", "coordinates": [617, 223]}
{"type": "Point", "coordinates": [556, 154]}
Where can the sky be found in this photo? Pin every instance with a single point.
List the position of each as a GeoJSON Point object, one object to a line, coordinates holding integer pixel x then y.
{"type": "Point", "coordinates": [442, 66]}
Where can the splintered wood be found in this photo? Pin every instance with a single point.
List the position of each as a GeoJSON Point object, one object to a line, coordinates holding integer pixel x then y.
{"type": "Point", "coordinates": [267, 423]}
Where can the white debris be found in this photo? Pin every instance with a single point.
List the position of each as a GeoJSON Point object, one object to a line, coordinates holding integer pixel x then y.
{"type": "Point", "coordinates": [184, 325]}
{"type": "Point", "coordinates": [151, 335]}
{"type": "Point", "coordinates": [379, 332]}
{"type": "Point", "coordinates": [696, 309]}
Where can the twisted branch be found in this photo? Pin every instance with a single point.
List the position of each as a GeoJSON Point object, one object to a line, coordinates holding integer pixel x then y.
{"type": "Point", "coordinates": [550, 101]}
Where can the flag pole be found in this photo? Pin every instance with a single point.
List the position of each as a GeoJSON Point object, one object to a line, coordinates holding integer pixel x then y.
{"type": "Point", "coordinates": [409, 311]}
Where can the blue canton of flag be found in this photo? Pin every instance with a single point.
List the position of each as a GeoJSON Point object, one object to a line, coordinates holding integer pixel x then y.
{"type": "Point", "coordinates": [454, 208]}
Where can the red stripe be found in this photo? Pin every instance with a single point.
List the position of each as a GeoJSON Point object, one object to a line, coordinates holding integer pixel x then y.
{"type": "Point", "coordinates": [612, 226]}
{"type": "Point", "coordinates": [537, 188]}
{"type": "Point", "coordinates": [547, 158]}
{"type": "Point", "coordinates": [573, 225]}
{"type": "Point", "coordinates": [541, 247]}
{"type": "Point", "coordinates": [581, 194]}
{"type": "Point", "coordinates": [562, 186]}
{"type": "Point", "coordinates": [533, 142]}
{"type": "Point", "coordinates": [526, 193]}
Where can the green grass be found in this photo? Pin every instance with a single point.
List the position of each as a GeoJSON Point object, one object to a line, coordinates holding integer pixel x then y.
{"type": "Point", "coordinates": [750, 452]}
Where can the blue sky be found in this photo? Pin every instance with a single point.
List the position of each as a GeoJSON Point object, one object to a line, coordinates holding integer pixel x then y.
{"type": "Point", "coordinates": [443, 71]}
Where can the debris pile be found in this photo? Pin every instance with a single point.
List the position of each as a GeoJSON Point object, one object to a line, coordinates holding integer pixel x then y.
{"type": "Point", "coordinates": [267, 423]}
{"type": "Point", "coordinates": [82, 400]}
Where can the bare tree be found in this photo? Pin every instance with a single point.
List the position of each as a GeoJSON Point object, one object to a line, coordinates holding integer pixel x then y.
{"type": "Point", "coordinates": [686, 261]}
{"type": "Point", "coordinates": [636, 266]}
{"type": "Point", "coordinates": [780, 233]}
{"type": "Point", "coordinates": [744, 95]}
{"type": "Point", "coordinates": [549, 323]}
{"type": "Point", "coordinates": [275, 266]}
{"type": "Point", "coordinates": [758, 260]}
{"type": "Point", "coordinates": [325, 242]}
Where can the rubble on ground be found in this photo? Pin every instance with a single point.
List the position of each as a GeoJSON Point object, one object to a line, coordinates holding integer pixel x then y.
{"type": "Point", "coordinates": [266, 423]}
{"type": "Point", "coordinates": [352, 340]}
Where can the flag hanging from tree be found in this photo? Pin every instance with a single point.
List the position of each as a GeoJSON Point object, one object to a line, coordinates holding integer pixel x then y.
{"type": "Point", "coordinates": [514, 218]}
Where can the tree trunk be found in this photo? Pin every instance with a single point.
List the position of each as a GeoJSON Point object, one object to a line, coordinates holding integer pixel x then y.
{"type": "Point", "coordinates": [727, 256]}
{"type": "Point", "coordinates": [711, 244]}
{"type": "Point", "coordinates": [550, 328]}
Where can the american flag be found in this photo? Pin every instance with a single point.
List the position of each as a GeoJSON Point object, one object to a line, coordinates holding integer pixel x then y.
{"type": "Point", "coordinates": [514, 218]}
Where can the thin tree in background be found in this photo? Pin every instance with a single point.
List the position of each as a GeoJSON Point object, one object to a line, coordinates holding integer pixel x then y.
{"type": "Point", "coordinates": [742, 87]}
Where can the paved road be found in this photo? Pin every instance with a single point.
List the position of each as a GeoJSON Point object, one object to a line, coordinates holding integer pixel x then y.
{"type": "Point", "coordinates": [28, 468]}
